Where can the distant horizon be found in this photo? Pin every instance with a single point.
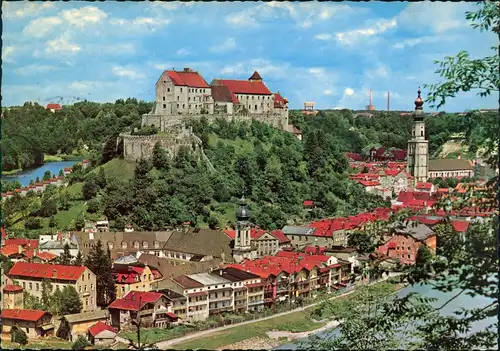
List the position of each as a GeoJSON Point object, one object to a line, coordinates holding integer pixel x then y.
{"type": "Point", "coordinates": [331, 53]}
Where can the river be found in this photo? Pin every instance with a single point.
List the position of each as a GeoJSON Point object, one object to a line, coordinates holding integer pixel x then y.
{"type": "Point", "coordinates": [54, 168]}
{"type": "Point", "coordinates": [427, 291]}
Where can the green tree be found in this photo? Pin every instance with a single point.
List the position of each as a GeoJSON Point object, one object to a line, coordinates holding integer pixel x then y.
{"type": "Point", "coordinates": [99, 262]}
{"type": "Point", "coordinates": [94, 205]}
{"type": "Point", "coordinates": [160, 158]}
{"type": "Point", "coordinates": [89, 189]}
{"type": "Point", "coordinates": [362, 240]}
{"type": "Point", "coordinates": [70, 302]}
{"type": "Point", "coordinates": [47, 175]}
{"type": "Point", "coordinates": [80, 222]}
{"type": "Point", "coordinates": [32, 223]}
{"type": "Point", "coordinates": [100, 179]}
{"type": "Point", "coordinates": [18, 336]}
{"type": "Point", "coordinates": [65, 258]}
{"type": "Point", "coordinates": [80, 344]}
{"type": "Point", "coordinates": [78, 259]}
{"type": "Point", "coordinates": [48, 208]}
{"type": "Point", "coordinates": [61, 173]}
{"type": "Point", "coordinates": [52, 222]}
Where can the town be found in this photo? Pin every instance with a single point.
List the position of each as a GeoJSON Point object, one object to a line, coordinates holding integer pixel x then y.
{"type": "Point", "coordinates": [271, 175]}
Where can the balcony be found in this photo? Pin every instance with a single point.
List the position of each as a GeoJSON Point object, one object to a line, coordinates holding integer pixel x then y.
{"type": "Point", "coordinates": [221, 298]}
{"type": "Point", "coordinates": [221, 309]}
{"type": "Point", "coordinates": [258, 292]}
{"type": "Point", "coordinates": [240, 298]}
{"type": "Point", "coordinates": [146, 313]}
{"type": "Point", "coordinates": [197, 303]}
{"type": "Point", "coordinates": [256, 302]}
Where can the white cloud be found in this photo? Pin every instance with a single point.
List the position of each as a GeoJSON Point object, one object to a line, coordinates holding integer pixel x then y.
{"type": "Point", "coordinates": [438, 16]}
{"type": "Point", "coordinates": [22, 9]}
{"type": "Point", "coordinates": [411, 42]}
{"type": "Point", "coordinates": [323, 36]}
{"type": "Point", "coordinates": [228, 45]}
{"type": "Point", "coordinates": [31, 70]}
{"type": "Point", "coordinates": [126, 72]}
{"type": "Point", "coordinates": [264, 67]}
{"type": "Point", "coordinates": [355, 36]}
{"type": "Point", "coordinates": [84, 16]}
{"type": "Point", "coordinates": [382, 71]}
{"type": "Point", "coordinates": [328, 92]}
{"type": "Point", "coordinates": [140, 24]}
{"type": "Point", "coordinates": [7, 53]}
{"type": "Point", "coordinates": [245, 18]}
{"type": "Point", "coordinates": [62, 46]}
{"type": "Point", "coordinates": [41, 27]}
{"type": "Point", "coordinates": [348, 92]}
{"type": "Point", "coordinates": [174, 5]}
{"type": "Point", "coordinates": [183, 52]}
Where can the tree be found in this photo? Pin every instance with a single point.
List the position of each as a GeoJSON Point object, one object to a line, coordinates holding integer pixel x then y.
{"type": "Point", "coordinates": [19, 336]}
{"type": "Point", "coordinates": [65, 258]}
{"type": "Point", "coordinates": [47, 175]}
{"type": "Point", "coordinates": [213, 222]}
{"type": "Point", "coordinates": [89, 189]}
{"type": "Point", "coordinates": [99, 262]}
{"type": "Point", "coordinates": [78, 259]}
{"type": "Point", "coordinates": [61, 173]}
{"type": "Point", "coordinates": [100, 179]}
{"type": "Point", "coordinates": [80, 344]}
{"type": "Point", "coordinates": [52, 222]}
{"type": "Point", "coordinates": [70, 302]}
{"type": "Point", "coordinates": [160, 158]}
{"type": "Point", "coordinates": [80, 222]}
{"type": "Point", "coordinates": [48, 208]}
{"type": "Point", "coordinates": [94, 205]}
{"type": "Point", "coordinates": [32, 223]}
{"type": "Point", "coordinates": [361, 240]}
{"type": "Point", "coordinates": [46, 293]}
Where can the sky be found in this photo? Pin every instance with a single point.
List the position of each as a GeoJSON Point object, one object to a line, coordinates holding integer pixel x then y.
{"type": "Point", "coordinates": [330, 53]}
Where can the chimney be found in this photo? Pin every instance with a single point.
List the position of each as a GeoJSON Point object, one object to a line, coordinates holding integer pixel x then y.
{"type": "Point", "coordinates": [370, 98]}
{"type": "Point", "coordinates": [458, 156]}
{"type": "Point", "coordinates": [388, 101]}
{"type": "Point", "coordinates": [19, 249]}
{"type": "Point", "coordinates": [54, 273]}
{"type": "Point", "coordinates": [220, 272]}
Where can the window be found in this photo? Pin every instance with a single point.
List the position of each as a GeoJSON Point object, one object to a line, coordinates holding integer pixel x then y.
{"type": "Point", "coordinates": [88, 276]}
{"type": "Point", "coordinates": [256, 107]}
{"type": "Point", "coordinates": [409, 248]}
{"type": "Point", "coordinates": [168, 89]}
{"type": "Point", "coordinates": [86, 302]}
{"type": "Point", "coordinates": [164, 98]}
{"type": "Point", "coordinates": [80, 289]}
{"type": "Point", "coordinates": [31, 286]}
{"type": "Point", "coordinates": [181, 90]}
{"type": "Point", "coordinates": [27, 330]}
{"type": "Point", "coordinates": [136, 244]}
{"type": "Point", "coordinates": [164, 105]}
{"type": "Point", "coordinates": [124, 243]}
{"type": "Point", "coordinates": [421, 133]}
{"type": "Point", "coordinates": [91, 286]}
{"type": "Point", "coordinates": [178, 98]}
{"type": "Point", "coordinates": [145, 244]}
{"type": "Point", "coordinates": [37, 286]}
{"type": "Point", "coordinates": [409, 256]}
{"type": "Point", "coordinates": [85, 288]}
{"type": "Point", "coordinates": [177, 105]}
{"type": "Point", "coordinates": [156, 244]}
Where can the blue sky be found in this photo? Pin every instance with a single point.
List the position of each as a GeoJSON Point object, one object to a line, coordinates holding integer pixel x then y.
{"type": "Point", "coordinates": [330, 53]}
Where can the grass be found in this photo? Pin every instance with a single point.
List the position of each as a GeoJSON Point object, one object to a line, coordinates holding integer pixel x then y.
{"type": "Point", "coordinates": [156, 334]}
{"type": "Point", "coordinates": [117, 168]}
{"type": "Point", "coordinates": [61, 157]}
{"type": "Point", "coordinates": [294, 322]}
{"type": "Point", "coordinates": [75, 190]}
{"type": "Point", "coordinates": [64, 218]}
{"type": "Point", "coordinates": [13, 172]}
{"type": "Point", "coordinates": [38, 345]}
{"type": "Point", "coordinates": [240, 146]}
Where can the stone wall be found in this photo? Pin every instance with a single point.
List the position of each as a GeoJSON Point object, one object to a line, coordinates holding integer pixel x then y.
{"type": "Point", "coordinates": [141, 146]}
{"type": "Point", "coordinates": [166, 122]}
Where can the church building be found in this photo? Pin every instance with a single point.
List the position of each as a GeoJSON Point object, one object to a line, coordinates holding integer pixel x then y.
{"type": "Point", "coordinates": [243, 248]}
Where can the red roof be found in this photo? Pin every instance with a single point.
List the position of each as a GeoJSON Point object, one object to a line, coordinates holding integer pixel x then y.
{"type": "Point", "coordinates": [131, 300]}
{"type": "Point", "coordinates": [172, 315]}
{"type": "Point", "coordinates": [244, 87]}
{"type": "Point", "coordinates": [99, 327]}
{"type": "Point", "coordinates": [4, 234]}
{"type": "Point", "coordinates": [20, 241]}
{"type": "Point", "coordinates": [308, 203]}
{"type": "Point", "coordinates": [280, 235]}
{"type": "Point", "coordinates": [460, 226]}
{"type": "Point", "coordinates": [189, 79]}
{"type": "Point", "coordinates": [279, 101]}
{"type": "Point", "coordinates": [426, 186]}
{"type": "Point", "coordinates": [369, 182]}
{"type": "Point", "coordinates": [46, 256]}
{"type": "Point", "coordinates": [133, 273]}
{"type": "Point", "coordinates": [23, 315]}
{"type": "Point", "coordinates": [9, 250]}
{"type": "Point", "coordinates": [46, 271]}
{"type": "Point", "coordinates": [12, 288]}
{"type": "Point", "coordinates": [354, 156]}
{"type": "Point", "coordinates": [54, 107]}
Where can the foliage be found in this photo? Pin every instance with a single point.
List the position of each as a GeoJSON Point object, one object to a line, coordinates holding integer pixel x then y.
{"type": "Point", "coordinates": [70, 302]}
{"type": "Point", "coordinates": [99, 262]}
{"type": "Point", "coordinates": [80, 344]}
{"type": "Point", "coordinates": [65, 258]}
{"type": "Point", "coordinates": [78, 259]}
{"type": "Point", "coordinates": [30, 131]}
{"type": "Point", "coordinates": [18, 335]}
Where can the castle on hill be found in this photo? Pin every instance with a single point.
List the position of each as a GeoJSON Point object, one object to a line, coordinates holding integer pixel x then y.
{"type": "Point", "coordinates": [181, 94]}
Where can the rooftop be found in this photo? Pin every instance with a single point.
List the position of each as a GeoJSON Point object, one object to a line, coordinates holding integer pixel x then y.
{"type": "Point", "coordinates": [46, 271]}
{"type": "Point", "coordinates": [209, 279]}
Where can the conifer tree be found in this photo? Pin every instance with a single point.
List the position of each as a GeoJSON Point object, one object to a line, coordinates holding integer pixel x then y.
{"type": "Point", "coordinates": [65, 257]}
{"type": "Point", "coordinates": [99, 262]}
{"type": "Point", "coordinates": [78, 261]}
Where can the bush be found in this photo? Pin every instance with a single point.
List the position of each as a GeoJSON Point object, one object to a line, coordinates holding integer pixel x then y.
{"type": "Point", "coordinates": [18, 336]}
{"type": "Point", "coordinates": [80, 343]}
{"type": "Point", "coordinates": [32, 223]}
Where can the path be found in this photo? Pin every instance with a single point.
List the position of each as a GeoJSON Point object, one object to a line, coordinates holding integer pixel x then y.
{"type": "Point", "coordinates": [291, 335]}
{"type": "Point", "coordinates": [165, 344]}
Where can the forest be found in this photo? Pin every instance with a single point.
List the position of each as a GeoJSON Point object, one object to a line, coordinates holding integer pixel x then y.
{"type": "Point", "coordinates": [271, 168]}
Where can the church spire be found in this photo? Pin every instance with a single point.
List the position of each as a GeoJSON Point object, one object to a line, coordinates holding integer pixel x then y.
{"type": "Point", "coordinates": [418, 101]}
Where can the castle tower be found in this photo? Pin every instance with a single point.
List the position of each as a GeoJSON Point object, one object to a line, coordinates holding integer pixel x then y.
{"type": "Point", "coordinates": [418, 148]}
{"type": "Point", "coordinates": [242, 240]}
{"type": "Point", "coordinates": [255, 77]}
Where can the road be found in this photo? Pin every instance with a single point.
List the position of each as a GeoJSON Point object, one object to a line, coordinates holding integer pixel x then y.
{"type": "Point", "coordinates": [165, 344]}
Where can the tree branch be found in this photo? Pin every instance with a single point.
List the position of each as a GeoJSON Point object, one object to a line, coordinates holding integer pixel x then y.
{"type": "Point", "coordinates": [450, 300]}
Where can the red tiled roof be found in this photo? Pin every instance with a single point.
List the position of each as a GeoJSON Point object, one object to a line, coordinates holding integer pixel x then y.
{"type": "Point", "coordinates": [12, 288]}
{"type": "Point", "coordinates": [9, 250]}
{"type": "Point", "coordinates": [46, 271]}
{"type": "Point", "coordinates": [46, 256]}
{"type": "Point", "coordinates": [24, 242]}
{"type": "Point", "coordinates": [23, 315]}
{"type": "Point", "coordinates": [172, 315]}
{"type": "Point", "coordinates": [99, 327]}
{"type": "Point", "coordinates": [255, 76]}
{"type": "Point", "coordinates": [280, 235]}
{"type": "Point", "coordinates": [426, 186]}
{"type": "Point", "coordinates": [223, 94]}
{"type": "Point", "coordinates": [460, 226]}
{"type": "Point", "coordinates": [189, 79]}
{"type": "Point", "coordinates": [369, 182]}
{"type": "Point", "coordinates": [131, 300]}
{"type": "Point", "coordinates": [244, 87]}
{"type": "Point", "coordinates": [54, 107]}
{"type": "Point", "coordinates": [133, 273]}
{"type": "Point", "coordinates": [399, 154]}
{"type": "Point", "coordinates": [353, 156]}
{"type": "Point", "coordinates": [279, 101]}
{"type": "Point", "coordinates": [308, 203]}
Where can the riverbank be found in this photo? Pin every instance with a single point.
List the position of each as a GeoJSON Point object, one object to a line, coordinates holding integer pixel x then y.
{"type": "Point", "coordinates": [294, 321]}
{"type": "Point", "coordinates": [46, 159]}
{"type": "Point", "coordinates": [62, 157]}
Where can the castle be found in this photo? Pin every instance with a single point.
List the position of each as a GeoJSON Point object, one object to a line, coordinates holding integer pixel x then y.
{"type": "Point", "coordinates": [184, 95]}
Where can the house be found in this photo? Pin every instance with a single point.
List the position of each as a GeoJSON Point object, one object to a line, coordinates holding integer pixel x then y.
{"type": "Point", "coordinates": [34, 323]}
{"type": "Point", "coordinates": [251, 95]}
{"type": "Point", "coordinates": [150, 307]}
{"type": "Point", "coordinates": [450, 168]}
{"type": "Point", "coordinates": [12, 297]}
{"type": "Point", "coordinates": [53, 107]}
{"type": "Point", "coordinates": [404, 245]}
{"type": "Point", "coordinates": [74, 325]}
{"type": "Point", "coordinates": [248, 288]}
{"type": "Point", "coordinates": [220, 292]}
{"type": "Point", "coordinates": [31, 275]}
{"type": "Point", "coordinates": [101, 334]}
{"type": "Point", "coordinates": [135, 276]}
{"type": "Point", "coordinates": [55, 243]}
{"type": "Point", "coordinates": [425, 187]}
{"type": "Point", "coordinates": [179, 302]}
{"type": "Point", "coordinates": [265, 242]}
{"type": "Point", "coordinates": [196, 294]}
{"type": "Point", "coordinates": [349, 254]}
{"type": "Point", "coordinates": [298, 235]}
{"type": "Point", "coordinates": [224, 100]}
{"type": "Point", "coordinates": [182, 92]}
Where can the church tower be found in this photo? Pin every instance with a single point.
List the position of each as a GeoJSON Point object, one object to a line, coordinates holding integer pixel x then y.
{"type": "Point", "coordinates": [243, 248]}
{"type": "Point", "coordinates": [418, 148]}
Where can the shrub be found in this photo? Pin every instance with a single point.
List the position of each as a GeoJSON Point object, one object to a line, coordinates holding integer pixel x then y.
{"type": "Point", "coordinates": [18, 336]}
{"type": "Point", "coordinates": [80, 343]}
